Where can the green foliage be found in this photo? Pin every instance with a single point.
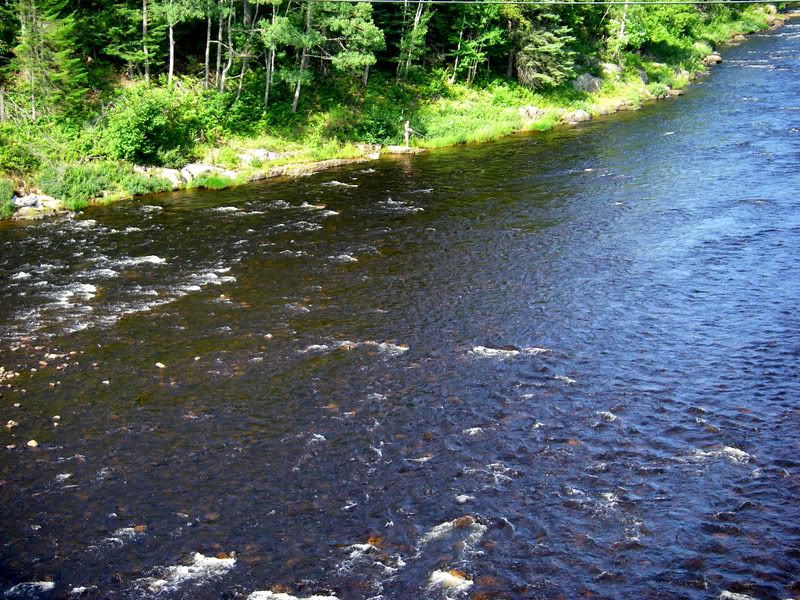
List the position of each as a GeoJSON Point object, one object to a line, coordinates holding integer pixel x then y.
{"type": "Point", "coordinates": [210, 181]}
{"type": "Point", "coordinates": [545, 58]}
{"type": "Point", "coordinates": [658, 90]}
{"type": "Point", "coordinates": [78, 184]}
{"type": "Point", "coordinates": [6, 192]}
{"type": "Point", "coordinates": [15, 152]}
{"type": "Point", "coordinates": [161, 125]}
{"type": "Point", "coordinates": [227, 158]}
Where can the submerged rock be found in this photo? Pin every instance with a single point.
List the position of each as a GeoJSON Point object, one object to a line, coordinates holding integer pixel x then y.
{"type": "Point", "coordinates": [403, 150]}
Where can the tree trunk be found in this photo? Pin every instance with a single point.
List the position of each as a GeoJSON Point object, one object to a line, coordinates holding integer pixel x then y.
{"type": "Point", "coordinates": [218, 73]}
{"type": "Point", "coordinates": [208, 46]}
{"type": "Point", "coordinates": [622, 28]}
{"type": "Point", "coordinates": [303, 62]}
{"type": "Point", "coordinates": [268, 79]}
{"type": "Point", "coordinates": [250, 21]}
{"type": "Point", "coordinates": [458, 49]}
{"type": "Point", "coordinates": [230, 49]}
{"type": "Point", "coordinates": [144, 43]}
{"type": "Point", "coordinates": [409, 50]}
{"type": "Point", "coordinates": [510, 63]}
{"type": "Point", "coordinates": [171, 54]}
{"type": "Point", "coordinates": [365, 78]}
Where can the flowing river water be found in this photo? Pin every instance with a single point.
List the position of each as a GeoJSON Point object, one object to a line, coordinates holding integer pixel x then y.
{"type": "Point", "coordinates": [562, 365]}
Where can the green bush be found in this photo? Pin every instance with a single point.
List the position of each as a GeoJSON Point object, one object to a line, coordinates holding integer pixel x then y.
{"type": "Point", "coordinates": [227, 158]}
{"type": "Point", "coordinates": [76, 185]}
{"type": "Point", "coordinates": [6, 191]}
{"type": "Point", "coordinates": [210, 181]}
{"type": "Point", "coordinates": [160, 126]}
{"type": "Point", "coordinates": [658, 90]}
{"type": "Point", "coordinates": [15, 153]}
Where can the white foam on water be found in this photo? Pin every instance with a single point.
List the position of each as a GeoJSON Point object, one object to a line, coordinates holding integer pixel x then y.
{"type": "Point", "coordinates": [498, 472]}
{"type": "Point", "coordinates": [607, 416]}
{"type": "Point", "coordinates": [490, 352]}
{"type": "Point", "coordinates": [464, 498]}
{"type": "Point", "coordinates": [140, 260]}
{"type": "Point", "coordinates": [284, 596]}
{"type": "Point", "coordinates": [335, 183]}
{"type": "Point", "coordinates": [131, 230]}
{"type": "Point", "coordinates": [103, 273]}
{"type": "Point", "coordinates": [25, 589]}
{"type": "Point", "coordinates": [382, 347]}
{"type": "Point", "coordinates": [609, 499]}
{"type": "Point", "coordinates": [225, 209]}
{"type": "Point", "coordinates": [421, 459]}
{"type": "Point", "coordinates": [451, 583]}
{"type": "Point", "coordinates": [151, 208]}
{"type": "Point", "coordinates": [565, 379]}
{"type": "Point", "coordinates": [61, 477]}
{"type": "Point", "coordinates": [726, 595]}
{"type": "Point", "coordinates": [343, 258]}
{"type": "Point", "coordinates": [734, 455]}
{"type": "Point", "coordinates": [483, 351]}
{"type": "Point", "coordinates": [473, 431]}
{"type": "Point", "coordinates": [201, 569]}
{"type": "Point", "coordinates": [474, 532]}
{"type": "Point", "coordinates": [21, 275]}
{"type": "Point", "coordinates": [307, 226]}
{"type": "Point", "coordinates": [80, 590]}
{"type": "Point", "coordinates": [316, 348]}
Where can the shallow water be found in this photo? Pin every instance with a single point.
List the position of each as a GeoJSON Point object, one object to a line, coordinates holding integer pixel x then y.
{"type": "Point", "coordinates": [587, 341]}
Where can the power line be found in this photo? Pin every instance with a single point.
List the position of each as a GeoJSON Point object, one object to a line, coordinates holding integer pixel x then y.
{"type": "Point", "coordinates": [566, 2]}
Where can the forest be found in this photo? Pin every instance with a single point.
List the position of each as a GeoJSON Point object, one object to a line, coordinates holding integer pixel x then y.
{"type": "Point", "coordinates": [89, 88]}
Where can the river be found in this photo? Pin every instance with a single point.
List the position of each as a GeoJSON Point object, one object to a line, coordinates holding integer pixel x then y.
{"type": "Point", "coordinates": [562, 365]}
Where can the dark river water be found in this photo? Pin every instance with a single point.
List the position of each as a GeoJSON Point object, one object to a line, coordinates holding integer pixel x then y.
{"type": "Point", "coordinates": [558, 366]}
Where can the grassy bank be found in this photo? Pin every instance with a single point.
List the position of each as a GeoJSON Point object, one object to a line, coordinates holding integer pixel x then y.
{"type": "Point", "coordinates": [78, 163]}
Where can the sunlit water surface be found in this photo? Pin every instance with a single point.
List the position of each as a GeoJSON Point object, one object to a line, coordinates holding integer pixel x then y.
{"type": "Point", "coordinates": [585, 341]}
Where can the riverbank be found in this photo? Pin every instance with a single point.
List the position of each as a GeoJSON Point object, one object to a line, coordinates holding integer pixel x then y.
{"type": "Point", "coordinates": [447, 115]}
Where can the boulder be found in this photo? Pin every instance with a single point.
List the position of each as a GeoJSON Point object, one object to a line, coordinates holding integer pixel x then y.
{"type": "Point", "coordinates": [368, 149]}
{"type": "Point", "coordinates": [193, 170]}
{"type": "Point", "coordinates": [738, 39]}
{"type": "Point", "coordinates": [530, 113]}
{"type": "Point", "coordinates": [402, 150]}
{"type": "Point", "coordinates": [577, 116]}
{"type": "Point", "coordinates": [25, 201]}
{"type": "Point", "coordinates": [587, 83]}
{"type": "Point", "coordinates": [48, 203]}
{"type": "Point", "coordinates": [712, 59]}
{"type": "Point", "coordinates": [610, 69]}
{"type": "Point", "coordinates": [171, 175]}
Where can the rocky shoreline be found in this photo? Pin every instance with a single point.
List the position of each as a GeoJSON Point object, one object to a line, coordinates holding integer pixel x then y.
{"type": "Point", "coordinates": [39, 206]}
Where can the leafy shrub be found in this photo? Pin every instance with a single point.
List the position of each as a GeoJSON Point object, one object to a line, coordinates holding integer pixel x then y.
{"type": "Point", "coordinates": [160, 126]}
{"type": "Point", "coordinates": [76, 185]}
{"type": "Point", "coordinates": [658, 90]}
{"type": "Point", "coordinates": [6, 191]}
{"type": "Point", "coordinates": [139, 185]}
{"type": "Point", "coordinates": [175, 158]}
{"type": "Point", "coordinates": [209, 181]}
{"type": "Point", "coordinates": [227, 158]}
{"type": "Point", "coordinates": [15, 153]}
